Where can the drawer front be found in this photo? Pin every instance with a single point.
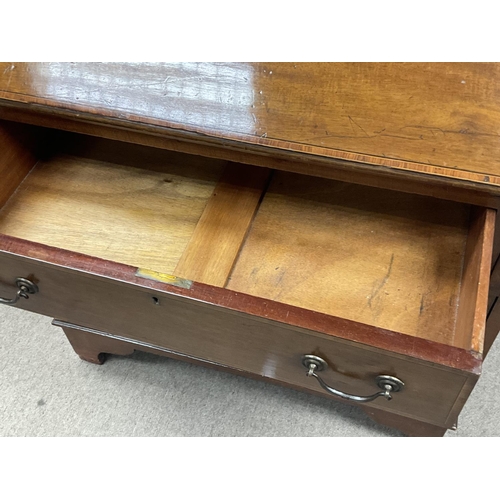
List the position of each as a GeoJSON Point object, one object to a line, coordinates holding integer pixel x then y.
{"type": "Point", "coordinates": [235, 339]}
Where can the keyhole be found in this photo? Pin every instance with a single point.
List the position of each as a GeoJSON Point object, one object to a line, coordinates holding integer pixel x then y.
{"type": "Point", "coordinates": [156, 300]}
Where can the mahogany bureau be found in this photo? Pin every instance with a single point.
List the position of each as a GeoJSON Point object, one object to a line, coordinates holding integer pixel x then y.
{"type": "Point", "coordinates": [327, 227]}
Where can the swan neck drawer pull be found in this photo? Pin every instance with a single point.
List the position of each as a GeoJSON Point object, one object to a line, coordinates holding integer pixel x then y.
{"type": "Point", "coordinates": [25, 288]}
{"type": "Point", "coordinates": [386, 383]}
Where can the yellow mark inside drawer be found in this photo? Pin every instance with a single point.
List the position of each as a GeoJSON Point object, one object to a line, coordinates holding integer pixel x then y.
{"type": "Point", "coordinates": [163, 278]}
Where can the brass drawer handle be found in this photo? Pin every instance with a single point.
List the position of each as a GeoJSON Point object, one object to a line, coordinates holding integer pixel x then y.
{"type": "Point", "coordinates": [25, 289]}
{"type": "Point", "coordinates": [387, 383]}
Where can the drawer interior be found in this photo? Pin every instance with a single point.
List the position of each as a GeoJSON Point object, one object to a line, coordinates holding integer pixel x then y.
{"type": "Point", "coordinates": [396, 261]}
{"type": "Point", "coordinates": [141, 211]}
{"type": "Point", "coordinates": [387, 259]}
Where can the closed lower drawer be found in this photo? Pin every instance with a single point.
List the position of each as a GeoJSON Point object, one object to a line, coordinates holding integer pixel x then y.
{"type": "Point", "coordinates": [252, 269]}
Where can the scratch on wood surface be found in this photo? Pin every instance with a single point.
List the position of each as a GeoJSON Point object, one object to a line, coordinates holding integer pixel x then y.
{"type": "Point", "coordinates": [357, 125]}
{"type": "Point", "coordinates": [379, 285]}
{"type": "Point", "coordinates": [415, 133]}
{"type": "Point", "coordinates": [9, 70]}
{"type": "Point", "coordinates": [463, 131]}
{"type": "Point", "coordinates": [280, 276]}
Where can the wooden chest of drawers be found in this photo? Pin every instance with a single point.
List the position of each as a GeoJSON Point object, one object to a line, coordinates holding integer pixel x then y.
{"type": "Point", "coordinates": [352, 276]}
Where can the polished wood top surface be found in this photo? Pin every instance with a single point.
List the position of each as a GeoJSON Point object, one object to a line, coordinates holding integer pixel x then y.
{"type": "Point", "coordinates": [434, 119]}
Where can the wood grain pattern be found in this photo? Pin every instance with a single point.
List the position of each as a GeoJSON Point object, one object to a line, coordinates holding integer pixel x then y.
{"type": "Point", "coordinates": [439, 119]}
{"type": "Point", "coordinates": [140, 217]}
{"type": "Point", "coordinates": [389, 260]}
{"type": "Point", "coordinates": [475, 280]}
{"type": "Point", "coordinates": [220, 232]}
{"type": "Point", "coordinates": [56, 268]}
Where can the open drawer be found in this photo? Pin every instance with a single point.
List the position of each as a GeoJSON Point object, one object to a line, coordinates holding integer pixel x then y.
{"type": "Point", "coordinates": [251, 269]}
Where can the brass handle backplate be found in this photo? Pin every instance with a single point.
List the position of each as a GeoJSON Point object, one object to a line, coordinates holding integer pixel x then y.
{"type": "Point", "coordinates": [25, 288]}
{"type": "Point", "coordinates": [387, 383]}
